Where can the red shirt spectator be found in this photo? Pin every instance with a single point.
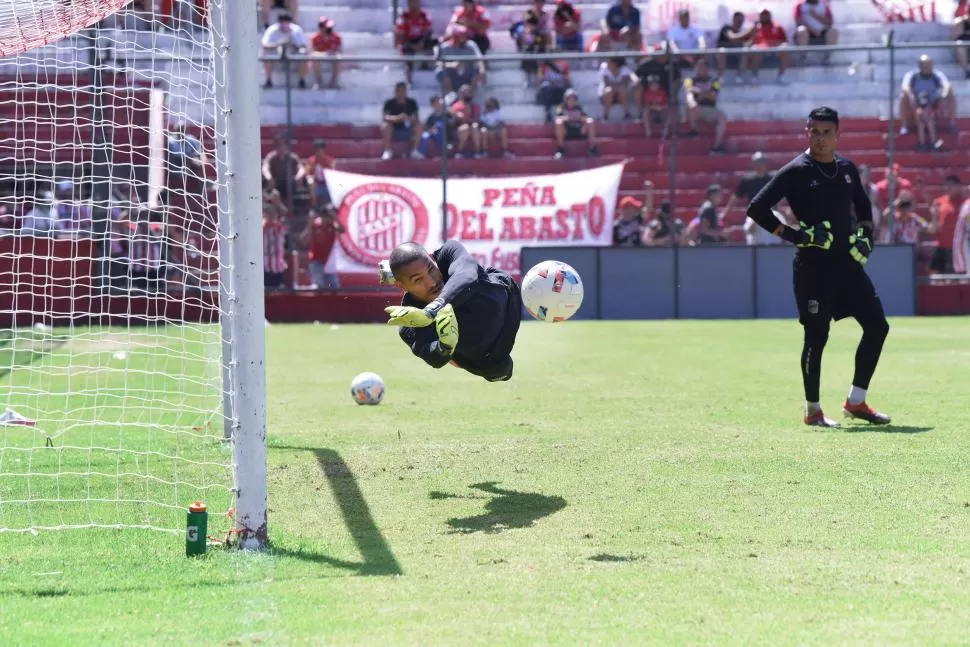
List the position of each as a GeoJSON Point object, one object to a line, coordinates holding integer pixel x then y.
{"type": "Point", "coordinates": [567, 27]}
{"type": "Point", "coordinates": [412, 25]}
{"type": "Point", "coordinates": [472, 16]}
{"type": "Point", "coordinates": [466, 110]}
{"type": "Point", "coordinates": [323, 235]}
{"type": "Point", "coordinates": [655, 96]}
{"type": "Point", "coordinates": [882, 186]}
{"type": "Point", "coordinates": [326, 41]}
{"type": "Point", "coordinates": [946, 209]}
{"type": "Point", "coordinates": [769, 35]}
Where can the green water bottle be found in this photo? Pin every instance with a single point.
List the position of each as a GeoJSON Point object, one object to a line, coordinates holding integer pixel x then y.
{"type": "Point", "coordinates": [196, 529]}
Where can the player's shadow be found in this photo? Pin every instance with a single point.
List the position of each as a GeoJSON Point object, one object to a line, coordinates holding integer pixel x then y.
{"type": "Point", "coordinates": [377, 556]}
{"type": "Point", "coordinates": [886, 429]}
{"type": "Point", "coordinates": [505, 510]}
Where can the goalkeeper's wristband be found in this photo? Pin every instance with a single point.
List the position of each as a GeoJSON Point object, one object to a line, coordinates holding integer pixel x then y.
{"type": "Point", "coordinates": [793, 236]}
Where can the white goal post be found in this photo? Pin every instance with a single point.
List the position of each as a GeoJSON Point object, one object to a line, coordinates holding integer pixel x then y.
{"type": "Point", "coordinates": [132, 349]}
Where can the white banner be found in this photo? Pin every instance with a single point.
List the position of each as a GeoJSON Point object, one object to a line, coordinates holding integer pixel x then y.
{"type": "Point", "coordinates": [493, 217]}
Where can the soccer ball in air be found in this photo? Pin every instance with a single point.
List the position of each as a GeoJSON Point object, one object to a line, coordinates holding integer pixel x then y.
{"type": "Point", "coordinates": [552, 291]}
{"type": "Point", "coordinates": [367, 388]}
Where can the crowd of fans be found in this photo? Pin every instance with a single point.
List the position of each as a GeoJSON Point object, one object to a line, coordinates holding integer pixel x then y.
{"type": "Point", "coordinates": [946, 221]}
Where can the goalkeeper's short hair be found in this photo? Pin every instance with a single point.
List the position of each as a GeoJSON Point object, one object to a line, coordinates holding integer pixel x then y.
{"type": "Point", "coordinates": [405, 254]}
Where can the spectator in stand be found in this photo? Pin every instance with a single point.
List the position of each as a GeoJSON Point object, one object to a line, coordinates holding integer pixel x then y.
{"type": "Point", "coordinates": [909, 225]}
{"type": "Point", "coordinates": [274, 249]}
{"type": "Point", "coordinates": [320, 235]}
{"type": "Point", "coordinates": [146, 255]}
{"type": "Point", "coordinates": [441, 126]}
{"type": "Point", "coordinates": [568, 23]}
{"type": "Point", "coordinates": [616, 81]}
{"type": "Point", "coordinates": [42, 219]}
{"type": "Point", "coordinates": [749, 185]}
{"type": "Point", "coordinates": [664, 69]}
{"type": "Point", "coordinates": [469, 70]}
{"type": "Point", "coordinates": [572, 123]}
{"type": "Point", "coordinates": [532, 37]}
{"type": "Point", "coordinates": [186, 160]}
{"type": "Point", "coordinates": [468, 116]}
{"type": "Point", "coordinates": [493, 127]}
{"type": "Point", "coordinates": [73, 216]}
{"type": "Point", "coordinates": [684, 37]}
{"type": "Point", "coordinates": [734, 35]}
{"type": "Point", "coordinates": [284, 37]}
{"type": "Point", "coordinates": [813, 25]}
{"type": "Point", "coordinates": [554, 80]}
{"type": "Point", "coordinates": [316, 178]}
{"type": "Point", "coordinates": [925, 88]}
{"type": "Point", "coordinates": [664, 229]}
{"type": "Point", "coordinates": [865, 177]}
{"type": "Point", "coordinates": [283, 170]}
{"type": "Point", "coordinates": [961, 241]}
{"type": "Point", "coordinates": [271, 10]}
{"type": "Point", "coordinates": [701, 91]}
{"type": "Point", "coordinates": [881, 188]}
{"type": "Point", "coordinates": [944, 212]}
{"type": "Point", "coordinates": [655, 105]}
{"type": "Point", "coordinates": [620, 29]}
{"type": "Point", "coordinates": [705, 228]}
{"type": "Point", "coordinates": [961, 33]}
{"type": "Point", "coordinates": [628, 228]}
{"type": "Point", "coordinates": [413, 35]}
{"type": "Point", "coordinates": [769, 35]}
{"type": "Point", "coordinates": [400, 122]}
{"type": "Point", "coordinates": [326, 43]}
{"type": "Point", "coordinates": [475, 19]}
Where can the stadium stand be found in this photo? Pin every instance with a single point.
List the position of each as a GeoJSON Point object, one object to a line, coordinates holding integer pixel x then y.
{"type": "Point", "coordinates": [763, 117]}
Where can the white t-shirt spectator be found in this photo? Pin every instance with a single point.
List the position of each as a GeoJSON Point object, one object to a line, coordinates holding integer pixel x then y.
{"type": "Point", "coordinates": [608, 78]}
{"type": "Point", "coordinates": [688, 37]}
{"type": "Point", "coordinates": [493, 119]}
{"type": "Point", "coordinates": [276, 36]}
{"type": "Point", "coordinates": [813, 14]}
{"type": "Point", "coordinates": [42, 219]}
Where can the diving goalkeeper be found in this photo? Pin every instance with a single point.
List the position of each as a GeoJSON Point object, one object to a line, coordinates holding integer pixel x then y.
{"type": "Point", "coordinates": [454, 310]}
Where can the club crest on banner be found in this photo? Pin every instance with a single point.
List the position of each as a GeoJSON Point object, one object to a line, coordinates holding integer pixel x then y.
{"type": "Point", "coordinates": [378, 217]}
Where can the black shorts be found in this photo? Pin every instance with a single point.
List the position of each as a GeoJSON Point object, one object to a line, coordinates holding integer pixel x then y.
{"type": "Point", "coordinates": [827, 289]}
{"type": "Point", "coordinates": [574, 131]}
{"type": "Point", "coordinates": [942, 261]}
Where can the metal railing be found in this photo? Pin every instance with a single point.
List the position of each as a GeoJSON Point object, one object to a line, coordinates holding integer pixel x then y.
{"type": "Point", "coordinates": [889, 45]}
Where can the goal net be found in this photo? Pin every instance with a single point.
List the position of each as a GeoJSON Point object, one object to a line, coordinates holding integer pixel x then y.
{"type": "Point", "coordinates": [119, 281]}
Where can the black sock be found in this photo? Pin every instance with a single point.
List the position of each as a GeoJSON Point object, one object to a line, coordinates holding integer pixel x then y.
{"type": "Point", "coordinates": [867, 354]}
{"type": "Point", "coordinates": [812, 361]}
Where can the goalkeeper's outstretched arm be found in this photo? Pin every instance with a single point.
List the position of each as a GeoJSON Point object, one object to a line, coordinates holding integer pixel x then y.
{"type": "Point", "coordinates": [424, 343]}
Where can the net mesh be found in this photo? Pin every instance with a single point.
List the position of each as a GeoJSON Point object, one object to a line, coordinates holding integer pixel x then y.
{"type": "Point", "coordinates": [110, 347]}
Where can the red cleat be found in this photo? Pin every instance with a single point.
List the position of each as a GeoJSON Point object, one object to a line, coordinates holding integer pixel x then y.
{"type": "Point", "coordinates": [863, 411]}
{"type": "Point", "coordinates": [818, 419]}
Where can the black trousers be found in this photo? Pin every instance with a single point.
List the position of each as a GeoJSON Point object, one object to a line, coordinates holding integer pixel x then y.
{"type": "Point", "coordinates": [828, 287]}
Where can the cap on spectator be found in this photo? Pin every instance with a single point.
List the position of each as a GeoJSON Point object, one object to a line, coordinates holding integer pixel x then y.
{"type": "Point", "coordinates": [569, 93]}
{"type": "Point", "coordinates": [284, 17]}
{"type": "Point", "coordinates": [713, 188]}
{"type": "Point", "coordinates": [758, 157]}
{"type": "Point", "coordinates": [630, 201]}
{"type": "Point", "coordinates": [326, 22]}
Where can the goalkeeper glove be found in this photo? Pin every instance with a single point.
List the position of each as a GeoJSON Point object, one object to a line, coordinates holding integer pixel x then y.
{"type": "Point", "coordinates": [860, 246]}
{"type": "Point", "coordinates": [409, 316]}
{"type": "Point", "coordinates": [819, 235]}
{"type": "Point", "coordinates": [384, 274]}
{"type": "Point", "coordinates": [446, 323]}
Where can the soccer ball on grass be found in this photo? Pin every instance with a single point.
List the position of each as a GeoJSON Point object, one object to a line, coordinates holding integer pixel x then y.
{"type": "Point", "coordinates": [552, 291]}
{"type": "Point", "coordinates": [367, 388]}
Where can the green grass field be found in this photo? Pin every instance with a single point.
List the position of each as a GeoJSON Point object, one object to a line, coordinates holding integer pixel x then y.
{"type": "Point", "coordinates": [636, 483]}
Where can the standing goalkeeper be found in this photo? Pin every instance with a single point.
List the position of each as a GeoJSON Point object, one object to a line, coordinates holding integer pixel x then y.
{"type": "Point", "coordinates": [822, 188]}
{"type": "Point", "coordinates": [454, 310]}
